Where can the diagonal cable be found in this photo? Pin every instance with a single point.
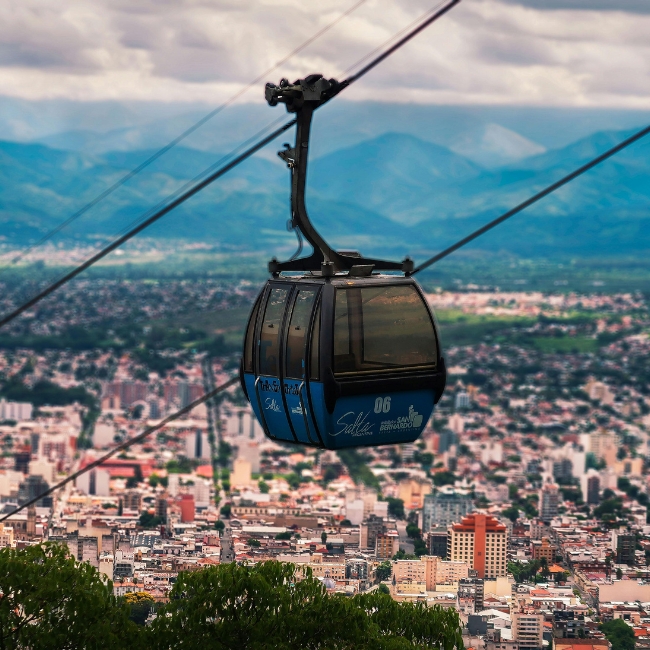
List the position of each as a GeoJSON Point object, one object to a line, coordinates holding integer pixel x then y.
{"type": "Point", "coordinates": [144, 224]}
{"type": "Point", "coordinates": [125, 445]}
{"type": "Point", "coordinates": [212, 177]}
{"type": "Point", "coordinates": [533, 199]}
{"type": "Point", "coordinates": [197, 125]}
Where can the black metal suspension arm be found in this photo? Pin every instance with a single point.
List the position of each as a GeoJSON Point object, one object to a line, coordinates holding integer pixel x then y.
{"type": "Point", "coordinates": [533, 199]}
{"type": "Point", "coordinates": [303, 97]}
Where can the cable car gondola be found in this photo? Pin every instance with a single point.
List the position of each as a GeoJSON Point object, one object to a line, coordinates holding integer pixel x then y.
{"type": "Point", "coordinates": [337, 353]}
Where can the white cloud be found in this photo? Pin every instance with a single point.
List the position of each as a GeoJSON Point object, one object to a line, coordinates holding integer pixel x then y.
{"type": "Point", "coordinates": [539, 52]}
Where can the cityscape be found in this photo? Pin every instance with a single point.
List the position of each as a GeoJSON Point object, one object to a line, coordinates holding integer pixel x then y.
{"type": "Point", "coordinates": [522, 506]}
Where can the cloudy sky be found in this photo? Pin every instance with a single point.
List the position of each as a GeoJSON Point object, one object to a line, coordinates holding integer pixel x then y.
{"type": "Point", "coordinates": [531, 52]}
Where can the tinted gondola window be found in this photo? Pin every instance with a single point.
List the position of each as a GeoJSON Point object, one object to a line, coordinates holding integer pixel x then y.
{"type": "Point", "coordinates": [382, 328]}
{"type": "Point", "coordinates": [250, 339]}
{"type": "Point", "coordinates": [297, 333]}
{"type": "Point", "coordinates": [270, 334]}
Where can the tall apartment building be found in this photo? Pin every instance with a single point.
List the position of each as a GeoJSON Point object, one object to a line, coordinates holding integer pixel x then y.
{"type": "Point", "coordinates": [445, 508]}
{"type": "Point", "coordinates": [624, 544]}
{"type": "Point", "coordinates": [369, 529]}
{"type": "Point", "coordinates": [471, 595]}
{"type": "Point", "coordinates": [563, 470]}
{"type": "Point", "coordinates": [481, 542]}
{"type": "Point", "coordinates": [387, 544]}
{"type": "Point", "coordinates": [528, 630]}
{"type": "Point", "coordinates": [549, 500]}
{"type": "Point", "coordinates": [590, 484]}
{"type": "Point", "coordinates": [437, 542]}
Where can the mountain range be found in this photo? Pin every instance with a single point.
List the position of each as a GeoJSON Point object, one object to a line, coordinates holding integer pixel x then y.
{"type": "Point", "coordinates": [396, 192]}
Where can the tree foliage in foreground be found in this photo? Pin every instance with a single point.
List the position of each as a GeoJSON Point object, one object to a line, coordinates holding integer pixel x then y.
{"type": "Point", "coordinates": [264, 606]}
{"type": "Point", "coordinates": [51, 602]}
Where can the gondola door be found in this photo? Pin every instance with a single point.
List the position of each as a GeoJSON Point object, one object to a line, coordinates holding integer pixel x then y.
{"type": "Point", "coordinates": [268, 384]}
{"type": "Point", "coordinates": [295, 376]}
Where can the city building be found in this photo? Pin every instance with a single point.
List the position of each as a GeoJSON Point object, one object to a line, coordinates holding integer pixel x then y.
{"type": "Point", "coordinates": [528, 630]}
{"type": "Point", "coordinates": [6, 536]}
{"type": "Point", "coordinates": [356, 569]}
{"type": "Point", "coordinates": [471, 593]}
{"type": "Point", "coordinates": [590, 484]}
{"type": "Point", "coordinates": [480, 541]}
{"type": "Point", "coordinates": [413, 492]}
{"type": "Point", "coordinates": [387, 545]}
{"type": "Point", "coordinates": [95, 482]}
{"type": "Point", "coordinates": [429, 571]}
{"type": "Point", "coordinates": [32, 487]}
{"type": "Point", "coordinates": [563, 470]}
{"type": "Point", "coordinates": [132, 500]}
{"type": "Point", "coordinates": [549, 501]}
{"type": "Point", "coordinates": [242, 473]}
{"type": "Point", "coordinates": [568, 624]}
{"type": "Point", "coordinates": [461, 401]}
{"type": "Point", "coordinates": [15, 411]}
{"type": "Point", "coordinates": [624, 544]}
{"type": "Point", "coordinates": [368, 531]}
{"type": "Point", "coordinates": [444, 508]}
{"type": "Point", "coordinates": [437, 542]}
{"type": "Point", "coordinates": [543, 550]}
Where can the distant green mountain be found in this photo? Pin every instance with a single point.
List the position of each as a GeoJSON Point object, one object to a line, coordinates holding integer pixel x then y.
{"type": "Point", "coordinates": [390, 194]}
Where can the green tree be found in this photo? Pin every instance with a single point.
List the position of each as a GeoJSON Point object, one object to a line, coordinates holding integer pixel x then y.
{"type": "Point", "coordinates": [444, 478]}
{"type": "Point", "coordinates": [323, 537]}
{"type": "Point", "coordinates": [413, 531]}
{"type": "Point", "coordinates": [254, 543]}
{"type": "Point", "coordinates": [226, 510]}
{"type": "Point", "coordinates": [140, 603]}
{"type": "Point", "coordinates": [619, 634]}
{"type": "Point", "coordinates": [264, 487]}
{"type": "Point", "coordinates": [147, 520]}
{"type": "Point", "coordinates": [285, 535]}
{"type": "Point", "coordinates": [265, 606]}
{"type": "Point", "coordinates": [50, 602]}
{"type": "Point", "coordinates": [396, 507]}
{"type": "Point", "coordinates": [219, 525]}
{"type": "Point", "coordinates": [383, 589]}
{"type": "Point", "coordinates": [384, 571]}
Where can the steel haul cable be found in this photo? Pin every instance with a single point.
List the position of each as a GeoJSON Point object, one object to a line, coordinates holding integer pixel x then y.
{"type": "Point", "coordinates": [125, 445]}
{"type": "Point", "coordinates": [144, 224]}
{"type": "Point", "coordinates": [220, 172]}
{"type": "Point", "coordinates": [533, 199]}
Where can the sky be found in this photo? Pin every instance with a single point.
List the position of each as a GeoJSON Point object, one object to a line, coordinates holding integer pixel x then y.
{"type": "Point", "coordinates": [575, 53]}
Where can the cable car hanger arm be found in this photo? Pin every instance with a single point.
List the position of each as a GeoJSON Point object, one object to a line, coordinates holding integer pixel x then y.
{"type": "Point", "coordinates": [303, 97]}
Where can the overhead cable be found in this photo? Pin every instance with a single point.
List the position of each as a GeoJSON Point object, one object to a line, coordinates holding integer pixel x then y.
{"type": "Point", "coordinates": [197, 125]}
{"type": "Point", "coordinates": [212, 177]}
{"type": "Point", "coordinates": [144, 224]}
{"type": "Point", "coordinates": [125, 445]}
{"type": "Point", "coordinates": [533, 199]}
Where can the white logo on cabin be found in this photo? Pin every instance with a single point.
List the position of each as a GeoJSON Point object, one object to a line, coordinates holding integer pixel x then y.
{"type": "Point", "coordinates": [412, 421]}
